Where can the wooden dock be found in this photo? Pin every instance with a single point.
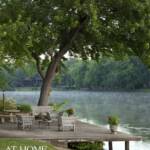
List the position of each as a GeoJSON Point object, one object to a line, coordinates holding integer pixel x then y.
{"type": "Point", "coordinates": [84, 132]}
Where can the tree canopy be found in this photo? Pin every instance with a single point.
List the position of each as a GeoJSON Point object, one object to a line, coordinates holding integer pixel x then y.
{"type": "Point", "coordinates": [84, 28]}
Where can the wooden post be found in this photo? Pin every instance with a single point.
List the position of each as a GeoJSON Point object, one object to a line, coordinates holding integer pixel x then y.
{"type": "Point", "coordinates": [127, 145]}
{"type": "Point", "coordinates": [110, 145]}
{"type": "Point", "coordinates": [3, 100]}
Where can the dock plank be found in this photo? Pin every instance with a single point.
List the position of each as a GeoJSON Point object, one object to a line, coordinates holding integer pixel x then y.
{"type": "Point", "coordinates": [84, 132]}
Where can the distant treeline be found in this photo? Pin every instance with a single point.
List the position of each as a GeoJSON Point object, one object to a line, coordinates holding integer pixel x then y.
{"type": "Point", "coordinates": [106, 74]}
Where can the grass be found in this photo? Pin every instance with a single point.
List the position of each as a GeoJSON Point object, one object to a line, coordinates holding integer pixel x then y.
{"type": "Point", "coordinates": [7, 144]}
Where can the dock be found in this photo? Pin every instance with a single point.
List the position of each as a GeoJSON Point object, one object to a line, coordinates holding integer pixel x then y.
{"type": "Point", "coordinates": [84, 132]}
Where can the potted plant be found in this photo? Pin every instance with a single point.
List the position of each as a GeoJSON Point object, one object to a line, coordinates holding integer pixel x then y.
{"type": "Point", "coordinates": [70, 111]}
{"type": "Point", "coordinates": [24, 108]}
{"type": "Point", "coordinates": [113, 122]}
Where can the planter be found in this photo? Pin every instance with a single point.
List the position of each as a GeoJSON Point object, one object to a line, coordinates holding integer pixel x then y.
{"type": "Point", "coordinates": [70, 115]}
{"type": "Point", "coordinates": [70, 112]}
{"type": "Point", "coordinates": [113, 129]}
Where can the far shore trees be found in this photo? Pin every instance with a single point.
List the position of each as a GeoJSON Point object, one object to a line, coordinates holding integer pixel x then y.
{"type": "Point", "coordinates": [48, 31]}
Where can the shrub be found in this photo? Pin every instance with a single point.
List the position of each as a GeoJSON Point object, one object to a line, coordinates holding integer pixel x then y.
{"type": "Point", "coordinates": [86, 145]}
{"type": "Point", "coordinates": [25, 108]}
{"type": "Point", "coordinates": [9, 104]}
{"type": "Point", "coordinates": [113, 120]}
{"type": "Point", "coordinates": [58, 106]}
{"type": "Point", "coordinates": [70, 111]}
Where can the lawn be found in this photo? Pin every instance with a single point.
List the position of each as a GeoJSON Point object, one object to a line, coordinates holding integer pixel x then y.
{"type": "Point", "coordinates": [23, 144]}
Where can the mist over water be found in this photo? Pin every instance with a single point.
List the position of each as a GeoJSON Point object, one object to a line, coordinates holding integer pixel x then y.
{"type": "Point", "coordinates": [133, 108]}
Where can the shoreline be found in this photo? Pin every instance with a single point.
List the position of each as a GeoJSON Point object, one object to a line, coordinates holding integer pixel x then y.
{"type": "Point", "coordinates": [28, 89]}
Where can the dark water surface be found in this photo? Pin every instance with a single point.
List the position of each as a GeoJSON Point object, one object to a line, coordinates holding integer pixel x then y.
{"type": "Point", "coordinates": [133, 108]}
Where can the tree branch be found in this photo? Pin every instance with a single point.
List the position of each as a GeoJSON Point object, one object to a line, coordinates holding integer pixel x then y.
{"type": "Point", "coordinates": [72, 35]}
{"type": "Point", "coordinates": [37, 60]}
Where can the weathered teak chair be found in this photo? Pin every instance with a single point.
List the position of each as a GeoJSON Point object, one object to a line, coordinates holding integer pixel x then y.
{"type": "Point", "coordinates": [67, 123]}
{"type": "Point", "coordinates": [24, 121]}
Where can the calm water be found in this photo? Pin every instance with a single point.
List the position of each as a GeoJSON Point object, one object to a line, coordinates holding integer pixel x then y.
{"type": "Point", "coordinates": [132, 107]}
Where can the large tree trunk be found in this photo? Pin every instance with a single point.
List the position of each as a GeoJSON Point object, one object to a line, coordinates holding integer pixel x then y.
{"type": "Point", "coordinates": [44, 93]}
{"type": "Point", "coordinates": [46, 85]}
{"type": "Point", "coordinates": [47, 80]}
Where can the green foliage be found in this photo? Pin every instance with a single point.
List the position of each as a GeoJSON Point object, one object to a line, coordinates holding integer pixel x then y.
{"type": "Point", "coordinates": [43, 27]}
{"type": "Point", "coordinates": [77, 71]}
{"type": "Point", "coordinates": [87, 29]}
{"type": "Point", "coordinates": [113, 120]}
{"type": "Point", "coordinates": [70, 111]}
{"type": "Point", "coordinates": [86, 146]}
{"type": "Point", "coordinates": [22, 75]}
{"type": "Point", "coordinates": [28, 69]}
{"type": "Point", "coordinates": [107, 74]}
{"type": "Point", "coordinates": [58, 106]}
{"type": "Point", "coordinates": [5, 77]}
{"type": "Point", "coordinates": [25, 108]}
{"type": "Point", "coordinates": [9, 104]}
{"type": "Point", "coordinates": [3, 81]}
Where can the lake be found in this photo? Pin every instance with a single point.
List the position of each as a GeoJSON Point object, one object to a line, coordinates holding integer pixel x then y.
{"type": "Point", "coordinates": [133, 108]}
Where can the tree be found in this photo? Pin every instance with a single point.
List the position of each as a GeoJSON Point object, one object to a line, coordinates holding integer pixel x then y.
{"type": "Point", "coordinates": [43, 31]}
{"type": "Point", "coordinates": [78, 71]}
{"type": "Point", "coordinates": [108, 74]}
{"type": "Point", "coordinates": [5, 77]}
